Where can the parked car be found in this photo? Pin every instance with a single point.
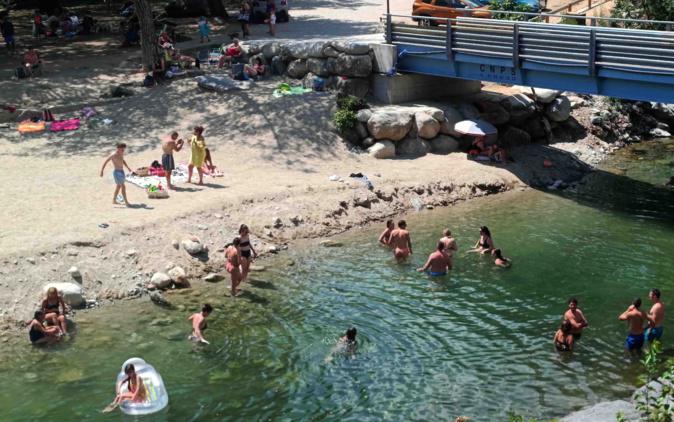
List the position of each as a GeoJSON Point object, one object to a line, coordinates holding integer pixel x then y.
{"type": "Point", "coordinates": [448, 9]}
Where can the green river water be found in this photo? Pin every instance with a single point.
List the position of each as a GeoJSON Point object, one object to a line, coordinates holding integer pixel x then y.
{"type": "Point", "coordinates": [476, 343]}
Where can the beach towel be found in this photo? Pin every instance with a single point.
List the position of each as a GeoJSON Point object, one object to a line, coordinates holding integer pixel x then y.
{"type": "Point", "coordinates": [182, 167]}
{"type": "Point", "coordinates": [285, 89]}
{"type": "Point", "coordinates": [177, 177]}
{"type": "Point", "coordinates": [28, 126]}
{"type": "Point", "coordinates": [63, 125]}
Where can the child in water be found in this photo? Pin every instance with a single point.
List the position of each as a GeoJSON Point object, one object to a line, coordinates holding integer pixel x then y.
{"type": "Point", "coordinates": [346, 345]}
{"type": "Point", "coordinates": [199, 324]}
{"type": "Point", "coordinates": [135, 389]}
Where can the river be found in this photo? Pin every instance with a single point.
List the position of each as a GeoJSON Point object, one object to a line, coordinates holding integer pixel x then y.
{"type": "Point", "coordinates": [476, 343]}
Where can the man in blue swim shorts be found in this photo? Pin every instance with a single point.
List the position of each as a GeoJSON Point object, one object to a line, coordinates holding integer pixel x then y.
{"type": "Point", "coordinates": [637, 320]}
{"type": "Point", "coordinates": [118, 173]}
{"type": "Point", "coordinates": [439, 262]}
{"type": "Point", "coordinates": [656, 316]}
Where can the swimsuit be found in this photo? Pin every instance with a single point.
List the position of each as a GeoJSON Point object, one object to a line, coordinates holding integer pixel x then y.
{"type": "Point", "coordinates": [119, 176]}
{"type": "Point", "coordinates": [634, 341]}
{"type": "Point", "coordinates": [35, 335]}
{"type": "Point", "coordinates": [167, 162]}
{"type": "Point", "coordinates": [561, 347]}
{"type": "Point", "coordinates": [436, 273]}
{"type": "Point", "coordinates": [246, 253]}
{"type": "Point", "coordinates": [52, 308]}
{"type": "Point", "coordinates": [654, 333]}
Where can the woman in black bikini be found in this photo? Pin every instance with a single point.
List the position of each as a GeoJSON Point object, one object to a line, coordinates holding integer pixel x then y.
{"type": "Point", "coordinates": [52, 313]}
{"type": "Point", "coordinates": [485, 244]}
{"type": "Point", "coordinates": [563, 338]}
{"type": "Point", "coordinates": [247, 251]}
{"type": "Point", "coordinates": [40, 334]}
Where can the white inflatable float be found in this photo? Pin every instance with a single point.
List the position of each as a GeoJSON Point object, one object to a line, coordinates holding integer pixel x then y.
{"type": "Point", "coordinates": [157, 397]}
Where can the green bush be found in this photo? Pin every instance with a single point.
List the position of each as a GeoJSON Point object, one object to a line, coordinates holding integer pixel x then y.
{"type": "Point", "coordinates": [511, 6]}
{"type": "Point", "coordinates": [351, 103]}
{"type": "Point", "coordinates": [345, 119]}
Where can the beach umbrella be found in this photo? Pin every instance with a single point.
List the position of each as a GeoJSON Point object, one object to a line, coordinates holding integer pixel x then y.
{"type": "Point", "coordinates": [475, 127]}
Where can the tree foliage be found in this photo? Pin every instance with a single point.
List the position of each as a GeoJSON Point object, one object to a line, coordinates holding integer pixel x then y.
{"type": "Point", "coordinates": [511, 6]}
{"type": "Point", "coordinates": [659, 10]}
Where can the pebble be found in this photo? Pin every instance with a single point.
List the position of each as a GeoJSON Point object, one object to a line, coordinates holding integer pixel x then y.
{"type": "Point", "coordinates": [175, 244]}
{"type": "Point", "coordinates": [113, 276]}
{"type": "Point", "coordinates": [218, 216]}
{"type": "Point", "coordinates": [16, 262]}
{"type": "Point", "coordinates": [273, 249]}
{"type": "Point", "coordinates": [277, 223]}
{"type": "Point", "coordinates": [74, 272]}
{"type": "Point", "coordinates": [268, 233]}
{"type": "Point", "coordinates": [429, 207]}
{"type": "Point", "coordinates": [131, 252]}
{"type": "Point", "coordinates": [202, 227]}
{"type": "Point", "coordinates": [31, 260]}
{"type": "Point", "coordinates": [72, 252]}
{"type": "Point", "coordinates": [213, 277]}
{"type": "Point", "coordinates": [257, 268]}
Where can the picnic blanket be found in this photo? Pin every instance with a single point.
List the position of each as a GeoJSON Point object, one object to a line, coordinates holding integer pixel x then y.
{"type": "Point", "coordinates": [28, 126]}
{"type": "Point", "coordinates": [177, 176]}
{"type": "Point", "coordinates": [63, 125]}
{"type": "Point", "coordinates": [221, 83]}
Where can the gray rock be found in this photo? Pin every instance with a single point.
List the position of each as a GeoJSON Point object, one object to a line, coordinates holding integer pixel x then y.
{"type": "Point", "coordinates": [297, 69]}
{"type": "Point", "coordinates": [353, 66]}
{"type": "Point", "coordinates": [297, 220]}
{"type": "Point", "coordinates": [253, 49]}
{"type": "Point", "coordinates": [535, 128]}
{"type": "Point", "coordinates": [72, 293]}
{"type": "Point", "coordinates": [444, 144]}
{"type": "Point", "coordinates": [278, 66]}
{"type": "Point", "coordinates": [131, 252]}
{"type": "Point", "coordinates": [358, 87]}
{"type": "Point", "coordinates": [361, 129]}
{"type": "Point", "coordinates": [213, 278]}
{"type": "Point", "coordinates": [159, 299]}
{"type": "Point", "coordinates": [364, 115]}
{"type": "Point", "coordinates": [659, 133]}
{"type": "Point", "coordinates": [175, 244]}
{"type": "Point", "coordinates": [664, 112]}
{"type": "Point", "coordinates": [178, 275]}
{"type": "Point", "coordinates": [160, 280]}
{"type": "Point", "coordinates": [543, 95]}
{"type": "Point", "coordinates": [494, 113]}
{"type": "Point", "coordinates": [277, 223]}
{"type": "Point", "coordinates": [382, 150]}
{"type": "Point", "coordinates": [364, 199]}
{"type": "Point", "coordinates": [427, 127]}
{"type": "Point", "coordinates": [315, 49]}
{"type": "Point", "coordinates": [412, 147]}
{"type": "Point", "coordinates": [468, 111]}
{"type": "Point", "coordinates": [367, 142]}
{"type": "Point", "coordinates": [576, 101]}
{"type": "Point", "coordinates": [330, 51]}
{"type": "Point", "coordinates": [597, 120]}
{"type": "Point", "coordinates": [452, 117]}
{"type": "Point", "coordinates": [390, 123]}
{"type": "Point", "coordinates": [271, 49]}
{"type": "Point", "coordinates": [519, 106]}
{"type": "Point", "coordinates": [318, 67]}
{"type": "Point", "coordinates": [192, 246]}
{"type": "Point", "coordinates": [348, 47]}
{"type": "Point", "coordinates": [30, 260]}
{"type": "Point", "coordinates": [295, 50]}
{"type": "Point", "coordinates": [75, 273]}
{"type": "Point", "coordinates": [118, 91]}
{"type": "Point", "coordinates": [514, 137]}
{"type": "Point", "coordinates": [604, 412]}
{"type": "Point", "coordinates": [559, 110]}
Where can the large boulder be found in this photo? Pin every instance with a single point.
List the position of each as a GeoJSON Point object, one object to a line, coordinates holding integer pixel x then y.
{"type": "Point", "coordinates": [413, 147]}
{"type": "Point", "coordinates": [315, 49]}
{"type": "Point", "coordinates": [192, 245]}
{"type": "Point", "coordinates": [364, 115]}
{"type": "Point", "coordinates": [519, 106]}
{"type": "Point", "coordinates": [271, 49]}
{"type": "Point", "coordinates": [604, 412]}
{"type": "Point", "coordinates": [295, 50]}
{"type": "Point", "coordinates": [559, 110]}
{"type": "Point", "coordinates": [663, 112]}
{"type": "Point", "coordinates": [297, 68]}
{"type": "Point", "coordinates": [382, 149]}
{"type": "Point", "coordinates": [349, 47]}
{"type": "Point", "coordinates": [393, 124]}
{"type": "Point", "coordinates": [353, 66]}
{"type": "Point", "coordinates": [160, 280]}
{"type": "Point", "coordinates": [468, 111]}
{"type": "Point", "coordinates": [330, 51]}
{"type": "Point", "coordinates": [72, 293]}
{"type": "Point", "coordinates": [542, 95]}
{"type": "Point", "coordinates": [535, 127]}
{"type": "Point", "coordinates": [444, 144]}
{"type": "Point", "coordinates": [494, 113]}
{"type": "Point", "coordinates": [318, 67]}
{"type": "Point", "coordinates": [426, 126]}
{"type": "Point", "coordinates": [358, 87]}
{"type": "Point", "coordinates": [452, 117]}
{"type": "Point", "coordinates": [178, 275]}
{"type": "Point", "coordinates": [361, 129]}
{"type": "Point", "coordinates": [513, 137]}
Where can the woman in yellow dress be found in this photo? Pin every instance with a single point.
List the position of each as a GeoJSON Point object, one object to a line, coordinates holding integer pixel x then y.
{"type": "Point", "coordinates": [198, 155]}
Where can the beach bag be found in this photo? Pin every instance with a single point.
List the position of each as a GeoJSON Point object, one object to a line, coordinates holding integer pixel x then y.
{"type": "Point", "coordinates": [20, 72]}
{"type": "Point", "coordinates": [318, 84]}
{"type": "Point", "coordinates": [237, 71]}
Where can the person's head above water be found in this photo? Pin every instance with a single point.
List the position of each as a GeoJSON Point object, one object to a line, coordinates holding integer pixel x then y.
{"type": "Point", "coordinates": [206, 309]}
{"type": "Point", "coordinates": [440, 246]}
{"type": "Point", "coordinates": [637, 303]}
{"type": "Point", "coordinates": [351, 334]}
{"type": "Point", "coordinates": [654, 295]}
{"type": "Point", "coordinates": [390, 224]}
{"type": "Point", "coordinates": [446, 233]}
{"type": "Point", "coordinates": [573, 303]}
{"type": "Point", "coordinates": [402, 224]}
{"type": "Point", "coordinates": [485, 231]}
{"type": "Point", "coordinates": [497, 253]}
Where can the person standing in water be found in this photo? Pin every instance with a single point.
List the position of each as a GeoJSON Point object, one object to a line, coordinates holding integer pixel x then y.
{"type": "Point", "coordinates": [247, 251]}
{"type": "Point", "coordinates": [636, 319]}
{"type": "Point", "coordinates": [168, 146]}
{"type": "Point", "coordinates": [439, 262]}
{"type": "Point", "coordinates": [233, 266]}
{"type": "Point", "coordinates": [449, 242]}
{"type": "Point", "coordinates": [400, 242]}
{"type": "Point", "coordinates": [199, 323]}
{"type": "Point", "coordinates": [576, 318]}
{"type": "Point", "coordinates": [135, 389]}
{"type": "Point", "coordinates": [118, 172]}
{"type": "Point", "coordinates": [385, 237]}
{"type": "Point", "coordinates": [197, 155]}
{"type": "Point", "coordinates": [563, 338]}
{"type": "Point", "coordinates": [656, 316]}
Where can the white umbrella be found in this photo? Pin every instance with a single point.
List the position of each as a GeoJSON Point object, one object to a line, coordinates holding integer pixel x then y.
{"type": "Point", "coordinates": [475, 128]}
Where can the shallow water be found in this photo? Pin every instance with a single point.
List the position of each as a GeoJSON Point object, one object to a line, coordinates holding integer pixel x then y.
{"type": "Point", "coordinates": [477, 342]}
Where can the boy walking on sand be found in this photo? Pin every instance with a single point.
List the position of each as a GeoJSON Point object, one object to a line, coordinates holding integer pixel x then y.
{"type": "Point", "coordinates": [118, 172]}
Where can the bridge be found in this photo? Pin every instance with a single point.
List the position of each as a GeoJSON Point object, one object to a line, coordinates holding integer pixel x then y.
{"type": "Point", "coordinates": [623, 63]}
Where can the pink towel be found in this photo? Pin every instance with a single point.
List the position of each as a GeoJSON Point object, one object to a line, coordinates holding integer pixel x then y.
{"type": "Point", "coordinates": [61, 125]}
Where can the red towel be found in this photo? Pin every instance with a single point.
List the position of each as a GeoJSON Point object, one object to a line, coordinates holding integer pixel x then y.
{"type": "Point", "coordinates": [61, 125]}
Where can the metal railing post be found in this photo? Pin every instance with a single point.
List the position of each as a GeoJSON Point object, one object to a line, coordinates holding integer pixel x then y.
{"type": "Point", "coordinates": [592, 53]}
{"type": "Point", "coordinates": [448, 41]}
{"type": "Point", "coordinates": [516, 46]}
{"type": "Point", "coordinates": [389, 32]}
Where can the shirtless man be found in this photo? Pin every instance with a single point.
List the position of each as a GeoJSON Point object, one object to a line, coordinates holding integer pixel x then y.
{"type": "Point", "coordinates": [118, 172]}
{"type": "Point", "coordinates": [199, 324]}
{"type": "Point", "coordinates": [385, 237]}
{"type": "Point", "coordinates": [439, 262]}
{"type": "Point", "coordinates": [656, 316]}
{"type": "Point", "coordinates": [449, 242]}
{"type": "Point", "coordinates": [637, 319]}
{"type": "Point", "coordinates": [576, 318]}
{"type": "Point", "coordinates": [168, 146]}
{"type": "Point", "coordinates": [400, 242]}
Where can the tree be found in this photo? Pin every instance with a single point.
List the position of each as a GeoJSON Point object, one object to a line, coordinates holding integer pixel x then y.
{"type": "Point", "coordinates": [659, 10]}
{"type": "Point", "coordinates": [511, 6]}
{"type": "Point", "coordinates": [148, 37]}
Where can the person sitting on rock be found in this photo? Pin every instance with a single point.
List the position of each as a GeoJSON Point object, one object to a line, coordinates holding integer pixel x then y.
{"type": "Point", "coordinates": [38, 333]}
{"type": "Point", "coordinates": [233, 53]}
{"type": "Point", "coordinates": [31, 61]}
{"type": "Point", "coordinates": [256, 70]}
{"type": "Point", "coordinates": [55, 309]}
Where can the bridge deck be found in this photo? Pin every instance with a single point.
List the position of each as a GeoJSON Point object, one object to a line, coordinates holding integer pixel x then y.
{"type": "Point", "coordinates": [623, 63]}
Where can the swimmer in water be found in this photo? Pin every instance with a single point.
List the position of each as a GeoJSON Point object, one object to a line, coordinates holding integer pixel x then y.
{"type": "Point", "coordinates": [485, 243]}
{"type": "Point", "coordinates": [439, 262]}
{"type": "Point", "coordinates": [199, 324]}
{"type": "Point", "coordinates": [347, 344]}
{"type": "Point", "coordinates": [636, 319]}
{"type": "Point", "coordinates": [500, 260]}
{"type": "Point", "coordinates": [449, 242]}
{"type": "Point", "coordinates": [385, 237]}
{"type": "Point", "coordinates": [563, 338]}
{"type": "Point", "coordinates": [576, 318]}
{"type": "Point", "coordinates": [400, 242]}
{"type": "Point", "coordinates": [656, 316]}
{"type": "Point", "coordinates": [135, 389]}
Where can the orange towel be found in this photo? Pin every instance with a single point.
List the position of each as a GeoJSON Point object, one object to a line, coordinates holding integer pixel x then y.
{"type": "Point", "coordinates": [28, 126]}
